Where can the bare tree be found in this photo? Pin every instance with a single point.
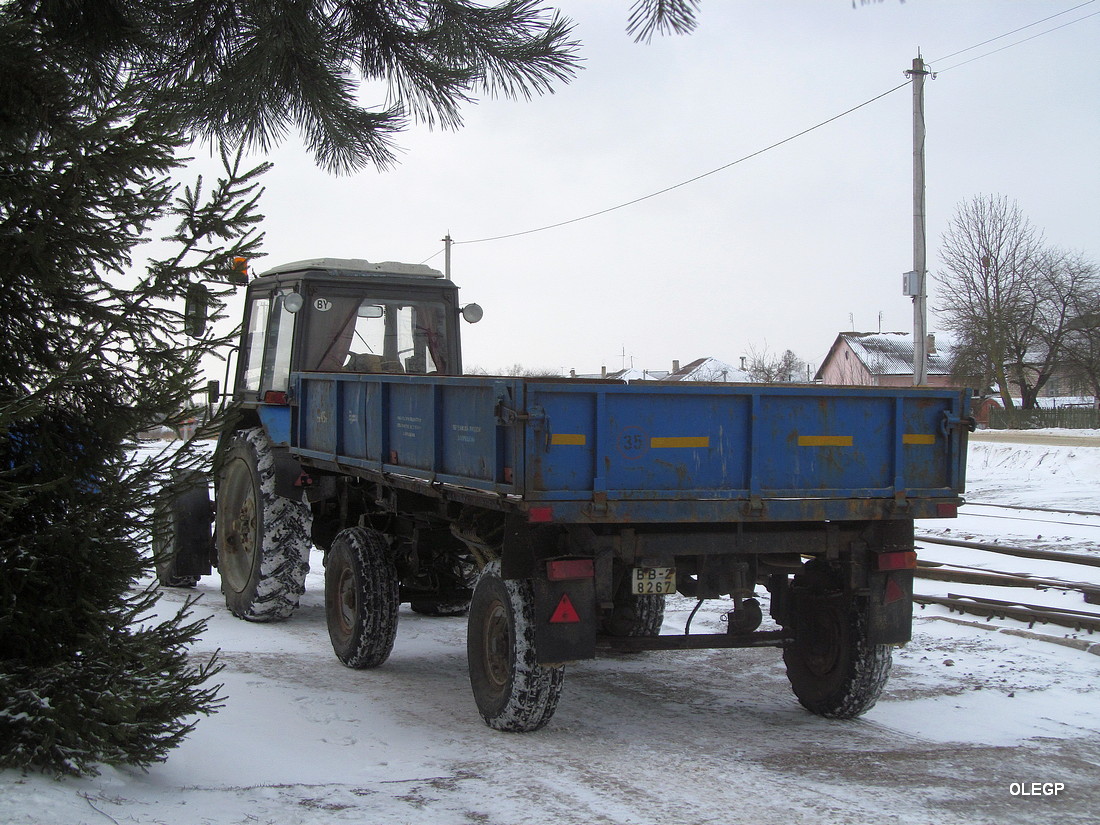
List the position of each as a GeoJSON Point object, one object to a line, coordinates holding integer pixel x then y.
{"type": "Point", "coordinates": [765, 368]}
{"type": "Point", "coordinates": [518, 370]}
{"type": "Point", "coordinates": [1081, 345]}
{"type": "Point", "coordinates": [991, 257]}
{"type": "Point", "coordinates": [1062, 283]}
{"type": "Point", "coordinates": [1013, 304]}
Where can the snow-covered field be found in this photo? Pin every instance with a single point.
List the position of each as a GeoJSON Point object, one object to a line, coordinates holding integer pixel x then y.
{"type": "Point", "coordinates": [971, 718]}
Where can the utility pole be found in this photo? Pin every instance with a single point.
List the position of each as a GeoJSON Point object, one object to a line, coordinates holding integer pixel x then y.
{"type": "Point", "coordinates": [447, 241]}
{"type": "Point", "coordinates": [919, 274]}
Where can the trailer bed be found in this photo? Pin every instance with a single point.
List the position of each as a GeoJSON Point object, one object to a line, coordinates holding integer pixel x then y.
{"type": "Point", "coordinates": [599, 451]}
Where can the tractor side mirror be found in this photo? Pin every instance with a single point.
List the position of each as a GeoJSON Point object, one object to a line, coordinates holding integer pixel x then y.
{"type": "Point", "coordinates": [196, 310]}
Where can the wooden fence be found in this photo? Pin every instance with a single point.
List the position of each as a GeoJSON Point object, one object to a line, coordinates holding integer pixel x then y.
{"type": "Point", "coordinates": [1073, 418]}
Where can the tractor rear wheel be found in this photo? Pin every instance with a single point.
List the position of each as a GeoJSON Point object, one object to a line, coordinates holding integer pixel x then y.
{"type": "Point", "coordinates": [181, 531]}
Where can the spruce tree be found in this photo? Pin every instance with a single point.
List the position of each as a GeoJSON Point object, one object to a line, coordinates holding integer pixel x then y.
{"type": "Point", "coordinates": [99, 100]}
{"type": "Point", "coordinates": [93, 354]}
{"type": "Point", "coordinates": [248, 72]}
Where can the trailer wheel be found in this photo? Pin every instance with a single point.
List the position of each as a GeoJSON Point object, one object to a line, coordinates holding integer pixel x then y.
{"type": "Point", "coordinates": [262, 540]}
{"type": "Point", "coordinates": [635, 615]}
{"type": "Point", "coordinates": [457, 577]}
{"type": "Point", "coordinates": [362, 597]}
{"type": "Point", "coordinates": [436, 608]}
{"type": "Point", "coordinates": [833, 670]}
{"type": "Point", "coordinates": [181, 531]}
{"type": "Point", "coordinates": [512, 690]}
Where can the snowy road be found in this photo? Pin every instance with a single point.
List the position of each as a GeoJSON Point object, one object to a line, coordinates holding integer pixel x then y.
{"type": "Point", "coordinates": [971, 717]}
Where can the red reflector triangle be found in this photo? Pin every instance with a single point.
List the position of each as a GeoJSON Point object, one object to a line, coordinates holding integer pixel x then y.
{"type": "Point", "coordinates": [893, 592]}
{"type": "Point", "coordinates": [565, 613]}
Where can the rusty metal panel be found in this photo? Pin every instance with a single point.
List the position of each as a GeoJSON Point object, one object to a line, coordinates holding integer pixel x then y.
{"type": "Point", "coordinates": [468, 432]}
{"type": "Point", "coordinates": [825, 442]}
{"type": "Point", "coordinates": [410, 425]}
{"type": "Point", "coordinates": [646, 452]}
{"type": "Point", "coordinates": [440, 429]}
{"type": "Point", "coordinates": [687, 440]}
{"type": "Point", "coordinates": [562, 439]}
{"type": "Point", "coordinates": [317, 417]}
{"type": "Point", "coordinates": [353, 406]}
{"type": "Point", "coordinates": [704, 444]}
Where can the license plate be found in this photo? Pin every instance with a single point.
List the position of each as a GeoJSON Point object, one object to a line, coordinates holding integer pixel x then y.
{"type": "Point", "coordinates": [653, 581]}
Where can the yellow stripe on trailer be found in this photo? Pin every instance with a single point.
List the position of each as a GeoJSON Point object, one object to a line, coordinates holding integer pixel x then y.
{"type": "Point", "coordinates": [691, 442]}
{"type": "Point", "coordinates": [825, 441]}
{"type": "Point", "coordinates": [918, 438]}
{"type": "Point", "coordinates": [568, 440]}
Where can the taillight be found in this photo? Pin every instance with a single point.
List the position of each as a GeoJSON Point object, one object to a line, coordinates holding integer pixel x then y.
{"type": "Point", "coordinates": [540, 515]}
{"type": "Point", "coordinates": [566, 569]}
{"type": "Point", "coordinates": [898, 560]}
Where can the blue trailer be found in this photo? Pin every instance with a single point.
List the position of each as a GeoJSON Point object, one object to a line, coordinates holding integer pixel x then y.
{"type": "Point", "coordinates": [559, 513]}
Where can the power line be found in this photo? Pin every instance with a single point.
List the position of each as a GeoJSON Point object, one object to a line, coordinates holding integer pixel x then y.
{"type": "Point", "coordinates": [804, 131]}
{"type": "Point", "coordinates": [433, 255]}
{"type": "Point", "coordinates": [1016, 43]}
{"type": "Point", "coordinates": [1015, 31]}
{"type": "Point", "coordinates": [757, 153]}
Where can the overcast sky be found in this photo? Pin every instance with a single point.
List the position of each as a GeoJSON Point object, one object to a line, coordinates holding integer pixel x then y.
{"type": "Point", "coordinates": [783, 250]}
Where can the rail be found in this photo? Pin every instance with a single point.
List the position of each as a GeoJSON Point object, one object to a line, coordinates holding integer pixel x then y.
{"type": "Point", "coordinates": [980, 604]}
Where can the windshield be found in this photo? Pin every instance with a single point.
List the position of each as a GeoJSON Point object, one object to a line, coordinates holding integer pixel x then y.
{"type": "Point", "coordinates": [376, 335]}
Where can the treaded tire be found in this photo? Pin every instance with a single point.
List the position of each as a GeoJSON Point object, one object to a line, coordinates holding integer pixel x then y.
{"type": "Point", "coordinates": [429, 607]}
{"type": "Point", "coordinates": [635, 615]}
{"type": "Point", "coordinates": [833, 670]}
{"type": "Point", "coordinates": [181, 530]}
{"type": "Point", "coordinates": [512, 690]}
{"type": "Point", "coordinates": [362, 597]}
{"type": "Point", "coordinates": [263, 541]}
{"type": "Point", "coordinates": [459, 574]}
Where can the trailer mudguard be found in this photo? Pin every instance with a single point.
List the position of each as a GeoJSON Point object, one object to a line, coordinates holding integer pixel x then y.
{"type": "Point", "coordinates": [565, 620]}
{"type": "Point", "coordinates": [890, 608]}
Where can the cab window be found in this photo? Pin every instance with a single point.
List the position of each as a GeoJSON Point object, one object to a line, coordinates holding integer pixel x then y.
{"type": "Point", "coordinates": [269, 343]}
{"type": "Point", "coordinates": [377, 335]}
{"type": "Point", "coordinates": [254, 343]}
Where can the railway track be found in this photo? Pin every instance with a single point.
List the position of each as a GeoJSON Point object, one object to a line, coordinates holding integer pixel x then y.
{"type": "Point", "coordinates": [1046, 517]}
{"type": "Point", "coordinates": [1020, 507]}
{"type": "Point", "coordinates": [995, 593]}
{"type": "Point", "coordinates": [1021, 611]}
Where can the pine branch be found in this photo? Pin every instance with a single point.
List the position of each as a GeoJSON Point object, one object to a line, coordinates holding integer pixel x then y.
{"type": "Point", "coordinates": [649, 17]}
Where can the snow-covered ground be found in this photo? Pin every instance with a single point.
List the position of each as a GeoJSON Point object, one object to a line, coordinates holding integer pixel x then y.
{"type": "Point", "coordinates": [971, 718]}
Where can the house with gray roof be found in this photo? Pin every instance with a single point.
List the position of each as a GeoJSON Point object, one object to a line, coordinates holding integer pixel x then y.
{"type": "Point", "coordinates": [701, 369]}
{"type": "Point", "coordinates": [881, 359]}
{"type": "Point", "coordinates": [706, 369]}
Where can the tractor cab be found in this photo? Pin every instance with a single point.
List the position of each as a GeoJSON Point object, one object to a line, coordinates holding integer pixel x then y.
{"type": "Point", "coordinates": [336, 315]}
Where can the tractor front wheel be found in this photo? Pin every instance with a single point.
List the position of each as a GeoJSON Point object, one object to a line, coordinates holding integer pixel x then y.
{"type": "Point", "coordinates": [263, 541]}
